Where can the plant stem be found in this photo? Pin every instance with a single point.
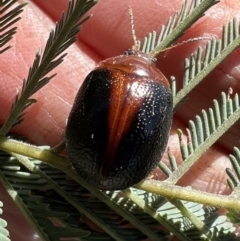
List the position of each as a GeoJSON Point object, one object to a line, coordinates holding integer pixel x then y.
{"type": "Point", "coordinates": [187, 193]}
{"type": "Point", "coordinates": [28, 215]}
{"type": "Point", "coordinates": [185, 166]}
{"type": "Point", "coordinates": [161, 188]}
{"type": "Point", "coordinates": [58, 161]}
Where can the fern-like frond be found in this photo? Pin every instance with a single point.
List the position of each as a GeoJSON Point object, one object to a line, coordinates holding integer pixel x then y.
{"type": "Point", "coordinates": [171, 217]}
{"type": "Point", "coordinates": [65, 202]}
{"type": "Point", "coordinates": [59, 40]}
{"type": "Point", "coordinates": [205, 130]}
{"type": "Point", "coordinates": [215, 226]}
{"type": "Point", "coordinates": [7, 20]}
{"type": "Point", "coordinates": [43, 206]}
{"type": "Point", "coordinates": [176, 26]}
{"type": "Point", "coordinates": [199, 65]}
{"type": "Point", "coordinates": [234, 182]}
{"type": "Point", "coordinates": [114, 206]}
{"type": "Point", "coordinates": [219, 226]}
{"type": "Point", "coordinates": [4, 234]}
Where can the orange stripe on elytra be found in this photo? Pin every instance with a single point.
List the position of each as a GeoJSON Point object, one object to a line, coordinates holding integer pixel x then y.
{"type": "Point", "coordinates": [121, 114]}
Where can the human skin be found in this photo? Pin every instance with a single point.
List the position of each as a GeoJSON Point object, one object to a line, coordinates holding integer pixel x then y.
{"type": "Point", "coordinates": [108, 34]}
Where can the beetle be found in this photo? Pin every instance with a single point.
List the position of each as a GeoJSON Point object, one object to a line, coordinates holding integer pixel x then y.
{"type": "Point", "coordinates": [119, 124]}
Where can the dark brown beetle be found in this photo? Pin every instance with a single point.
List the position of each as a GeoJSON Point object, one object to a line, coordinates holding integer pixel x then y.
{"type": "Point", "coordinates": [119, 124]}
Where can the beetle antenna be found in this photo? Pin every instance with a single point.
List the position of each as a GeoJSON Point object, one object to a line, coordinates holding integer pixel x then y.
{"type": "Point", "coordinates": [155, 53]}
{"type": "Point", "coordinates": [135, 42]}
